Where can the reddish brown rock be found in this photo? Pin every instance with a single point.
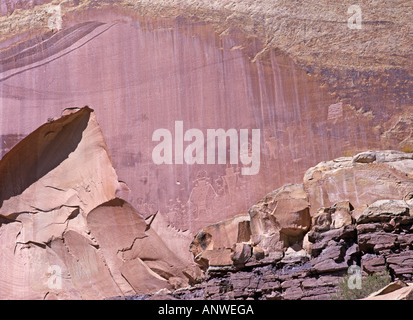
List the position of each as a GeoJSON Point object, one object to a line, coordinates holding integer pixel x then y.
{"type": "Point", "coordinates": [402, 264]}
{"type": "Point", "coordinates": [334, 217]}
{"type": "Point", "coordinates": [294, 254]}
{"type": "Point", "coordinates": [297, 275]}
{"type": "Point", "coordinates": [135, 255]}
{"type": "Point", "coordinates": [321, 240]}
{"type": "Point", "coordinates": [292, 289]}
{"type": "Point", "coordinates": [187, 77]}
{"type": "Point", "coordinates": [275, 223]}
{"type": "Point", "coordinates": [321, 281]}
{"type": "Point", "coordinates": [372, 263]}
{"type": "Point", "coordinates": [241, 253]}
{"type": "Point", "coordinates": [144, 73]}
{"type": "Point", "coordinates": [376, 242]}
{"type": "Point", "coordinates": [329, 265]}
{"type": "Point", "coordinates": [42, 172]}
{"type": "Point", "coordinates": [386, 211]}
{"type": "Point", "coordinates": [334, 251]}
{"type": "Point", "coordinates": [9, 6]}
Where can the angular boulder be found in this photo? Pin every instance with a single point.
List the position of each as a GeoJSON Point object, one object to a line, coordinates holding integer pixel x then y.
{"type": "Point", "coordinates": [280, 219]}
{"type": "Point", "coordinates": [63, 232]}
{"type": "Point", "coordinates": [212, 246]}
{"type": "Point", "coordinates": [386, 211]}
{"type": "Point", "coordinates": [63, 162]}
{"type": "Point", "coordinates": [397, 290]}
{"type": "Point", "coordinates": [362, 179]}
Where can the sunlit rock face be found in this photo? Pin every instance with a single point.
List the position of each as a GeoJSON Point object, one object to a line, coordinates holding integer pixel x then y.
{"type": "Point", "coordinates": [63, 232]}
{"type": "Point", "coordinates": [142, 74]}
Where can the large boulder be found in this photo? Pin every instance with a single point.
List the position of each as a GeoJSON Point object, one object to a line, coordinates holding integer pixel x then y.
{"type": "Point", "coordinates": [63, 232]}
{"type": "Point", "coordinates": [62, 163]}
{"type": "Point", "coordinates": [385, 237]}
{"type": "Point", "coordinates": [395, 211]}
{"type": "Point", "coordinates": [335, 217]}
{"type": "Point", "coordinates": [214, 244]}
{"type": "Point", "coordinates": [288, 254]}
{"type": "Point", "coordinates": [362, 179]}
{"type": "Point", "coordinates": [128, 245]}
{"type": "Point", "coordinates": [247, 65]}
{"type": "Point", "coordinates": [275, 223]}
{"type": "Point", "coordinates": [280, 219]}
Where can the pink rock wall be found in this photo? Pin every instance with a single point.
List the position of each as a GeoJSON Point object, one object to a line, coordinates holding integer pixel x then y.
{"type": "Point", "coordinates": [140, 75]}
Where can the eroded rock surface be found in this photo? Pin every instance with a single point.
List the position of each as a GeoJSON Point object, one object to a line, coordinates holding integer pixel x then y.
{"type": "Point", "coordinates": [229, 64]}
{"type": "Point", "coordinates": [397, 290]}
{"type": "Point", "coordinates": [63, 232]}
{"type": "Point", "coordinates": [212, 245]}
{"type": "Point", "coordinates": [65, 235]}
{"type": "Point", "coordinates": [281, 218]}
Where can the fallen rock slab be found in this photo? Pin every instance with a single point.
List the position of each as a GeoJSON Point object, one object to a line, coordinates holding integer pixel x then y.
{"type": "Point", "coordinates": [397, 290]}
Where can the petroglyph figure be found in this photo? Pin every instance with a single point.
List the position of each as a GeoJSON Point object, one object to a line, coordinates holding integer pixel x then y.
{"type": "Point", "coordinates": [271, 144]}
{"type": "Point", "coordinates": [231, 180]}
{"type": "Point", "coordinates": [201, 192]}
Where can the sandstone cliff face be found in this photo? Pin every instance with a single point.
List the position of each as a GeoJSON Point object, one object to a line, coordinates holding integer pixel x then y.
{"type": "Point", "coordinates": [65, 235]}
{"type": "Point", "coordinates": [63, 232]}
{"type": "Point", "coordinates": [316, 89]}
{"type": "Point", "coordinates": [297, 73]}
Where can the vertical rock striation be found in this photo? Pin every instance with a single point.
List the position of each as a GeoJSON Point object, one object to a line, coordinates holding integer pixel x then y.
{"type": "Point", "coordinates": [315, 95]}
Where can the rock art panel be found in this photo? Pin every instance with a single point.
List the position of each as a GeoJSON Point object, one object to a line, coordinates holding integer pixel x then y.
{"type": "Point", "coordinates": [142, 74]}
